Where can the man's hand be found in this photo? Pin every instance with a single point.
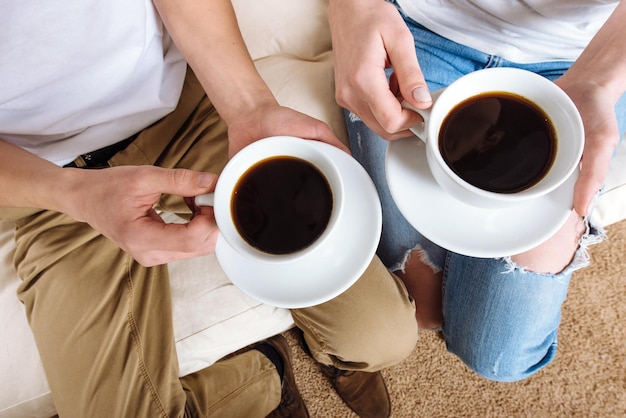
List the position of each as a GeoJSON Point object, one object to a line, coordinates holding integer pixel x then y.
{"type": "Point", "coordinates": [229, 76]}
{"type": "Point", "coordinates": [118, 202]}
{"type": "Point", "coordinates": [275, 120]}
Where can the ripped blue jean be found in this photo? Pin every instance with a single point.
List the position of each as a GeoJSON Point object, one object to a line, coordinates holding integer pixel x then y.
{"type": "Point", "coordinates": [500, 319]}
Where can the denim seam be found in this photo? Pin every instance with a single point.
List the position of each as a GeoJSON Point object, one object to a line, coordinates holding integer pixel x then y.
{"type": "Point", "coordinates": [444, 278]}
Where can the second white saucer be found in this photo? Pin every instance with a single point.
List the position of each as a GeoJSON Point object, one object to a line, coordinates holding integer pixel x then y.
{"type": "Point", "coordinates": [466, 229]}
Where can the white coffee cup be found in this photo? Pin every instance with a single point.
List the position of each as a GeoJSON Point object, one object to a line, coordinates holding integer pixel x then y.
{"type": "Point", "coordinates": [333, 261]}
{"type": "Point", "coordinates": [547, 96]}
{"type": "Point", "coordinates": [239, 165]}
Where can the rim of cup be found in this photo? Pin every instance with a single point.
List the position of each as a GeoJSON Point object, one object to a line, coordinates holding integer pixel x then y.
{"type": "Point", "coordinates": [272, 147]}
{"type": "Point", "coordinates": [544, 93]}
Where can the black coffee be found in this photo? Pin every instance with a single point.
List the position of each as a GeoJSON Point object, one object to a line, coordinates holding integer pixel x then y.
{"type": "Point", "coordinates": [498, 142]}
{"type": "Point", "coordinates": [282, 205]}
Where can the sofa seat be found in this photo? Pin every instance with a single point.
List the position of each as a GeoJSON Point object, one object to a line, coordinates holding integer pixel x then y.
{"type": "Point", "coordinates": [290, 44]}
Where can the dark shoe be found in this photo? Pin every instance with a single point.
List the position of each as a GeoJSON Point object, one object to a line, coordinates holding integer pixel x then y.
{"type": "Point", "coordinates": [291, 403]}
{"type": "Point", "coordinates": [365, 393]}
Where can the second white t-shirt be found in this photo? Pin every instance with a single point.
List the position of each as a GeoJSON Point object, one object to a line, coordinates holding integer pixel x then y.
{"type": "Point", "coordinates": [520, 31]}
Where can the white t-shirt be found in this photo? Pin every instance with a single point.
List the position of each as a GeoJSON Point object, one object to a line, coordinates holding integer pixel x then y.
{"type": "Point", "coordinates": [76, 76]}
{"type": "Point", "coordinates": [520, 31]}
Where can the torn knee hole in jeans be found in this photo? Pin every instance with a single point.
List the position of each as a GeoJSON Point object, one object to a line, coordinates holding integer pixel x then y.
{"type": "Point", "coordinates": [424, 258]}
{"type": "Point", "coordinates": [592, 235]}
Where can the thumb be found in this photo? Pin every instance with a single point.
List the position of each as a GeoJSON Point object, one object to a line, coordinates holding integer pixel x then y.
{"type": "Point", "coordinates": [410, 78]}
{"type": "Point", "coordinates": [183, 182]}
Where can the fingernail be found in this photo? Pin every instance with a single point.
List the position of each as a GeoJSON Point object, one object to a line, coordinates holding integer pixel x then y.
{"type": "Point", "coordinates": [205, 180]}
{"type": "Point", "coordinates": [421, 94]}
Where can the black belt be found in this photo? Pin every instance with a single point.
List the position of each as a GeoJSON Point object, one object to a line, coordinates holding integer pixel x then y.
{"type": "Point", "coordinates": [100, 157]}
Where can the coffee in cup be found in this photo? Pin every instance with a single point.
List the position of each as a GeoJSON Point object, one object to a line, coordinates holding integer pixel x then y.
{"type": "Point", "coordinates": [281, 204]}
{"type": "Point", "coordinates": [483, 138]}
{"type": "Point", "coordinates": [277, 199]}
{"type": "Point", "coordinates": [499, 136]}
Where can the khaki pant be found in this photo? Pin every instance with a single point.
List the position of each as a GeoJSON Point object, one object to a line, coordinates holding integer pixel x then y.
{"type": "Point", "coordinates": [103, 323]}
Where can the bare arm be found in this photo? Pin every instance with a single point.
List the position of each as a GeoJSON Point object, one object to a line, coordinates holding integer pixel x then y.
{"type": "Point", "coordinates": [595, 82]}
{"type": "Point", "coordinates": [117, 202]}
{"type": "Point", "coordinates": [208, 35]}
{"type": "Point", "coordinates": [27, 181]}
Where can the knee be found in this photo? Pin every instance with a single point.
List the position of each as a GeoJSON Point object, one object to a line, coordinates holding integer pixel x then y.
{"type": "Point", "coordinates": [392, 348]}
{"type": "Point", "coordinates": [382, 346]}
{"type": "Point", "coordinates": [502, 323]}
{"type": "Point", "coordinates": [371, 351]}
{"type": "Point", "coordinates": [505, 361]}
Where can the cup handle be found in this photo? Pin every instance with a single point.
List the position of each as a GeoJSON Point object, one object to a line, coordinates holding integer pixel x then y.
{"type": "Point", "coordinates": [205, 199]}
{"type": "Point", "coordinates": [419, 130]}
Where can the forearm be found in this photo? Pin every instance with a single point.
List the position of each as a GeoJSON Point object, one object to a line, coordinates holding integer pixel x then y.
{"type": "Point", "coordinates": [603, 62]}
{"type": "Point", "coordinates": [207, 34]}
{"type": "Point", "coordinates": [595, 82]}
{"type": "Point", "coordinates": [29, 181]}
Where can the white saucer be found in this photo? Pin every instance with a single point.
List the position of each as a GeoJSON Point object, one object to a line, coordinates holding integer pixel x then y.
{"type": "Point", "coordinates": [330, 270]}
{"type": "Point", "coordinates": [466, 229]}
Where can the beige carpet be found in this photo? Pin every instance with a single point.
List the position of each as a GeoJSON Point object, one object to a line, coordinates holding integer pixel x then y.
{"type": "Point", "coordinates": [587, 378]}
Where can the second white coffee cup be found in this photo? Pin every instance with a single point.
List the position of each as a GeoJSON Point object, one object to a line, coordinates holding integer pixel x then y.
{"type": "Point", "coordinates": [560, 111]}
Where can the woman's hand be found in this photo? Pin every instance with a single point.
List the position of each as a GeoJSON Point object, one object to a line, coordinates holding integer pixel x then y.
{"type": "Point", "coordinates": [369, 36]}
{"type": "Point", "coordinates": [596, 106]}
{"type": "Point", "coordinates": [595, 82]}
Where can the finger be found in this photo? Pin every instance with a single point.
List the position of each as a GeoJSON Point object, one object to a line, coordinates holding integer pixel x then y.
{"type": "Point", "coordinates": [592, 176]}
{"type": "Point", "coordinates": [158, 256]}
{"type": "Point", "coordinates": [154, 258]}
{"type": "Point", "coordinates": [366, 93]}
{"type": "Point", "coordinates": [178, 181]}
{"type": "Point", "coordinates": [399, 128]}
{"type": "Point", "coordinates": [389, 119]}
{"type": "Point", "coordinates": [408, 73]}
{"type": "Point", "coordinates": [320, 131]}
{"type": "Point", "coordinates": [196, 236]}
